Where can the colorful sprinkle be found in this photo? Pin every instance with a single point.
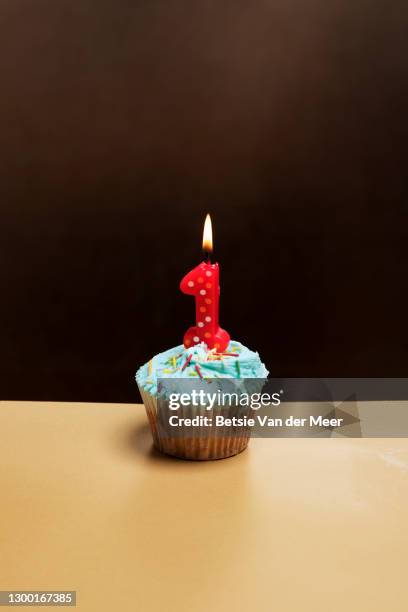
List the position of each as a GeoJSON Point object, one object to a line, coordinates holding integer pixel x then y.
{"type": "Point", "coordinates": [198, 370]}
{"type": "Point", "coordinates": [186, 362]}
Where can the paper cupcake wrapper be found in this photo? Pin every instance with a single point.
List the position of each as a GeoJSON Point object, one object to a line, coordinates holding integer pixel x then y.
{"type": "Point", "coordinates": [198, 443]}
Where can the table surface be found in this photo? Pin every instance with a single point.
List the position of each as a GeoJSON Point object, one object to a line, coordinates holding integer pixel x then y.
{"type": "Point", "coordinates": [290, 524]}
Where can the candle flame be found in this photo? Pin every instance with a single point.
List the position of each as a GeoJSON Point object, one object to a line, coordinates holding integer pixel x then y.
{"type": "Point", "coordinates": [207, 235]}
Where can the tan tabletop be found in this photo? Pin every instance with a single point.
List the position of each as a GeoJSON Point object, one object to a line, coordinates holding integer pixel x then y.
{"type": "Point", "coordinates": [290, 524]}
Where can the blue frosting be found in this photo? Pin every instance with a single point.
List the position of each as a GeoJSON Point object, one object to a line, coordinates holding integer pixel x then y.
{"type": "Point", "coordinates": [247, 364]}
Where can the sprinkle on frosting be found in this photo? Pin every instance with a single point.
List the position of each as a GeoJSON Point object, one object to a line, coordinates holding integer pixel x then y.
{"type": "Point", "coordinates": [187, 361]}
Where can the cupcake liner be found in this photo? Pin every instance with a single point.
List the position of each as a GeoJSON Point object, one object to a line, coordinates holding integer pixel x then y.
{"type": "Point", "coordinates": [195, 443]}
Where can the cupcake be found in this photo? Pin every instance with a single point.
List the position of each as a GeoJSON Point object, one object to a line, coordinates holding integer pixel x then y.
{"type": "Point", "coordinates": [199, 365]}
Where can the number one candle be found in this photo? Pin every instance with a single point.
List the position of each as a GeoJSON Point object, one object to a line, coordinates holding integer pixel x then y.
{"type": "Point", "coordinates": [203, 283]}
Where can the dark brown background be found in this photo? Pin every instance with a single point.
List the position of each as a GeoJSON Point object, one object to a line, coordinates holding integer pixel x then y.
{"type": "Point", "coordinates": [123, 123]}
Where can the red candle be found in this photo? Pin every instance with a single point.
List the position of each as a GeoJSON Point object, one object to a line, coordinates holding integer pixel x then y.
{"type": "Point", "coordinates": [203, 283]}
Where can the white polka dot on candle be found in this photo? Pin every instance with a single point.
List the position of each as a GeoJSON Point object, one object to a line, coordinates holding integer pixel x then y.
{"type": "Point", "coordinates": [190, 284]}
{"type": "Point", "coordinates": [196, 339]}
{"type": "Point", "coordinates": [200, 324]}
{"type": "Point", "coordinates": [208, 319]}
{"type": "Point", "coordinates": [209, 273]}
{"type": "Point", "coordinates": [203, 292]}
